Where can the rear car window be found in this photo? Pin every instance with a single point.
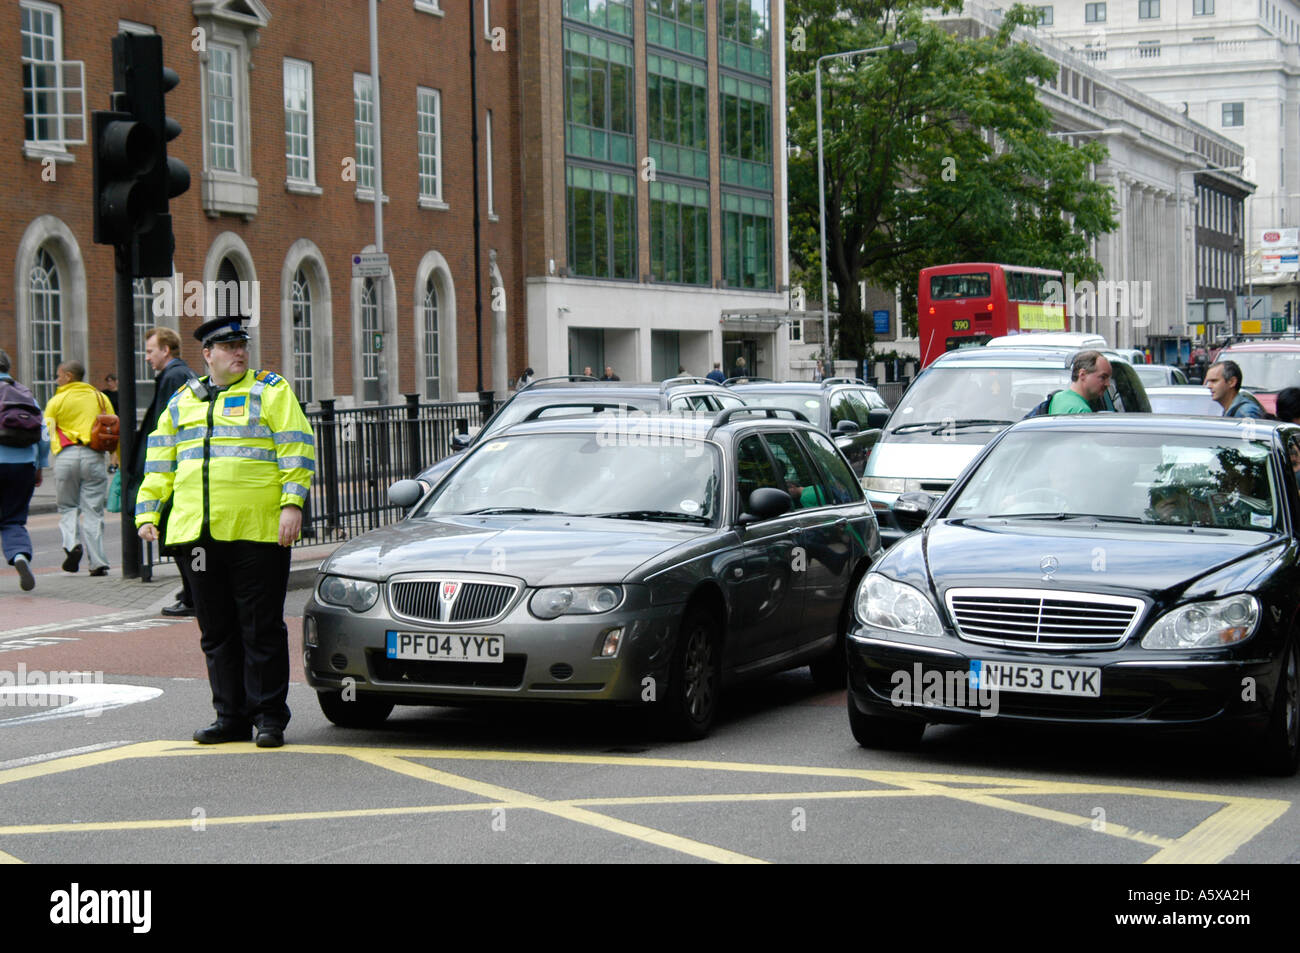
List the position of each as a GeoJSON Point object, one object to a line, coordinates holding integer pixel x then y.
{"type": "Point", "coordinates": [801, 479]}
{"type": "Point", "coordinates": [753, 469]}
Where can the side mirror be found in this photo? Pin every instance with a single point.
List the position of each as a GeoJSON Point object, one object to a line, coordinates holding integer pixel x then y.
{"type": "Point", "coordinates": [765, 503]}
{"type": "Point", "coordinates": [405, 493]}
{"type": "Point", "coordinates": [460, 441]}
{"type": "Point", "coordinates": [911, 509]}
{"type": "Point", "coordinates": [876, 419]}
{"type": "Point", "coordinates": [846, 427]}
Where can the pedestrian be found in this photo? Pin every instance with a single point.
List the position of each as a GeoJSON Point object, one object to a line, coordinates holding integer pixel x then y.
{"type": "Point", "coordinates": [819, 374]}
{"type": "Point", "coordinates": [1288, 405]}
{"type": "Point", "coordinates": [1224, 381]}
{"type": "Point", "coordinates": [586, 372]}
{"type": "Point", "coordinates": [235, 456]}
{"type": "Point", "coordinates": [1089, 377]}
{"type": "Point", "coordinates": [110, 390]}
{"type": "Point", "coordinates": [739, 369]}
{"type": "Point", "coordinates": [525, 379]}
{"type": "Point", "coordinates": [716, 374]}
{"type": "Point", "coordinates": [610, 375]}
{"type": "Point", "coordinates": [80, 473]}
{"type": "Point", "coordinates": [162, 349]}
{"type": "Point", "coordinates": [24, 453]}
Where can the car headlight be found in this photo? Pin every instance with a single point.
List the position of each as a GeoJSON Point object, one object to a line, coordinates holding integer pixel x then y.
{"type": "Point", "coordinates": [355, 594]}
{"type": "Point", "coordinates": [574, 600]}
{"type": "Point", "coordinates": [884, 484]}
{"type": "Point", "coordinates": [1205, 624]}
{"type": "Point", "coordinates": [887, 604]}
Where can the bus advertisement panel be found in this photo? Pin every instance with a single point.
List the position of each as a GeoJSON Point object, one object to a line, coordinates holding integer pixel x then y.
{"type": "Point", "coordinates": [966, 304]}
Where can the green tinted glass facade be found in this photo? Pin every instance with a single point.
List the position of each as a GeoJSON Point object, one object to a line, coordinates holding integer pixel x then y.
{"type": "Point", "coordinates": [612, 15]}
{"type": "Point", "coordinates": [679, 233]}
{"type": "Point", "coordinates": [678, 25]}
{"type": "Point", "coordinates": [746, 133]}
{"type": "Point", "coordinates": [677, 101]}
{"type": "Point", "coordinates": [746, 241]}
{"type": "Point", "coordinates": [597, 98]}
{"type": "Point", "coordinates": [745, 35]}
{"type": "Point", "coordinates": [602, 223]}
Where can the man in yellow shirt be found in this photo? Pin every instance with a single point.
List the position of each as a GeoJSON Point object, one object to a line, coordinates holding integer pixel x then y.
{"type": "Point", "coordinates": [235, 455]}
{"type": "Point", "coordinates": [80, 474]}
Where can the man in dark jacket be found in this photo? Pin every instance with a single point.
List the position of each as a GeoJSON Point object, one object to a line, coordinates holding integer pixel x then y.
{"type": "Point", "coordinates": [162, 349]}
{"type": "Point", "coordinates": [1224, 381]}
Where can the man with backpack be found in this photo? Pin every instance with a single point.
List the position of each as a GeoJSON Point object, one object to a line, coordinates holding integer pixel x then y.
{"type": "Point", "coordinates": [24, 453]}
{"type": "Point", "coordinates": [80, 470]}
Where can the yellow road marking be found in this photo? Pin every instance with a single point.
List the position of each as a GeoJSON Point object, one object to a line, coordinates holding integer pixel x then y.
{"type": "Point", "coordinates": [1239, 819]}
{"type": "Point", "coordinates": [9, 859]}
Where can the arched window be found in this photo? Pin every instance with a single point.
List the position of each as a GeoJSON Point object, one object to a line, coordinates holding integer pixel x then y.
{"type": "Point", "coordinates": [369, 332]}
{"type": "Point", "coordinates": [225, 296]}
{"type": "Point", "coordinates": [301, 304]}
{"type": "Point", "coordinates": [47, 325]}
{"type": "Point", "coordinates": [431, 371]}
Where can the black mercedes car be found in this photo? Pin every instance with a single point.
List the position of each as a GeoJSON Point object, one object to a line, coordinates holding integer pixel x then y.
{"type": "Point", "coordinates": [1129, 570]}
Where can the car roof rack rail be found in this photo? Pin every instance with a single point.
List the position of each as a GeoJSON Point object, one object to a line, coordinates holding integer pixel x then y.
{"type": "Point", "coordinates": [724, 416]}
{"type": "Point", "coordinates": [686, 379]}
{"type": "Point", "coordinates": [844, 380]}
{"type": "Point", "coordinates": [571, 378]}
{"type": "Point", "coordinates": [747, 380]}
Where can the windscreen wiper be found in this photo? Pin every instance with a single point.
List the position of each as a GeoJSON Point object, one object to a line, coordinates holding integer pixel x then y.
{"type": "Point", "coordinates": [955, 424]}
{"type": "Point", "coordinates": [653, 515]}
{"type": "Point", "coordinates": [502, 510]}
{"type": "Point", "coordinates": [927, 425]}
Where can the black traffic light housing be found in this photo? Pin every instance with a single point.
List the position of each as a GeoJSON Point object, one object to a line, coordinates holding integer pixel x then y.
{"type": "Point", "coordinates": [133, 176]}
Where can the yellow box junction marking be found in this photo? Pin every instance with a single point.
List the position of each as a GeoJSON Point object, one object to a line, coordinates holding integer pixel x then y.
{"type": "Point", "coordinates": [1211, 841]}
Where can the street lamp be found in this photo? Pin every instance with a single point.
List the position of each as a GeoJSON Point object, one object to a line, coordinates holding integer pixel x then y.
{"type": "Point", "coordinates": [907, 46]}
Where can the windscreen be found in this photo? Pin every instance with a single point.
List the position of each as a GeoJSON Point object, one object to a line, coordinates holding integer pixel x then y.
{"type": "Point", "coordinates": [970, 285]}
{"type": "Point", "coordinates": [1137, 478]}
{"type": "Point", "coordinates": [1267, 371]}
{"type": "Point", "coordinates": [558, 405]}
{"type": "Point", "coordinates": [945, 394]}
{"type": "Point", "coordinates": [615, 470]}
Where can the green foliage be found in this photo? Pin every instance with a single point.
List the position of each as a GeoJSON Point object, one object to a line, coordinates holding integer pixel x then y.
{"type": "Point", "coordinates": [935, 156]}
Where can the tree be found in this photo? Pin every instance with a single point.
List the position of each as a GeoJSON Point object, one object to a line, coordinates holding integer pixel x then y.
{"type": "Point", "coordinates": [934, 156]}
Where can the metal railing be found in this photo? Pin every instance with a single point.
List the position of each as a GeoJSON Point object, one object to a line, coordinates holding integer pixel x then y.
{"type": "Point", "coordinates": [361, 451]}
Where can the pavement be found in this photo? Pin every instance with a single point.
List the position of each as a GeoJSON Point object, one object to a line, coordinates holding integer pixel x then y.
{"type": "Point", "coordinates": [113, 592]}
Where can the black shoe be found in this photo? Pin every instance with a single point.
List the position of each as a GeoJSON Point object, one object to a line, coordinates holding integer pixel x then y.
{"type": "Point", "coordinates": [24, 567]}
{"type": "Point", "coordinates": [73, 562]}
{"type": "Point", "coordinates": [179, 609]}
{"type": "Point", "coordinates": [180, 595]}
{"type": "Point", "coordinates": [220, 732]}
{"type": "Point", "coordinates": [270, 737]}
{"type": "Point", "coordinates": [101, 571]}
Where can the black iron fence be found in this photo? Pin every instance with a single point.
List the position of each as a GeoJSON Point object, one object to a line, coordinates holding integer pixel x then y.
{"type": "Point", "coordinates": [361, 451]}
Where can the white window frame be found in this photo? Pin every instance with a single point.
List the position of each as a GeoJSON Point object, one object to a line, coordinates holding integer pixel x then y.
{"type": "Point", "coordinates": [209, 121]}
{"type": "Point", "coordinates": [361, 82]}
{"type": "Point", "coordinates": [1098, 7]}
{"type": "Point", "coordinates": [429, 6]}
{"type": "Point", "coordinates": [69, 87]}
{"type": "Point", "coordinates": [1207, 8]}
{"type": "Point", "coordinates": [487, 19]}
{"type": "Point", "coordinates": [302, 185]}
{"type": "Point", "coordinates": [1150, 6]}
{"type": "Point", "coordinates": [1046, 16]}
{"type": "Point", "coordinates": [434, 200]}
{"type": "Point", "coordinates": [1223, 115]}
{"type": "Point", "coordinates": [491, 194]}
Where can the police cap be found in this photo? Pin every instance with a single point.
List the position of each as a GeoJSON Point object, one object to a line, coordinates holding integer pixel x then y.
{"type": "Point", "coordinates": [221, 329]}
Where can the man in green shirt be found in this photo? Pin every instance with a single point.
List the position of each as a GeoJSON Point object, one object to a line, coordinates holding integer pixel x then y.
{"type": "Point", "coordinates": [1089, 378]}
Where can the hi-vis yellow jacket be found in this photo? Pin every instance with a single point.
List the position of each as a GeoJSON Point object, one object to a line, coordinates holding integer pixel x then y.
{"type": "Point", "coordinates": [230, 458]}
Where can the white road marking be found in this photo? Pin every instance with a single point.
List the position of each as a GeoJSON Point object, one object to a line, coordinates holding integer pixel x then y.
{"type": "Point", "coordinates": [74, 624]}
{"type": "Point", "coordinates": [37, 758]}
{"type": "Point", "coordinates": [88, 699]}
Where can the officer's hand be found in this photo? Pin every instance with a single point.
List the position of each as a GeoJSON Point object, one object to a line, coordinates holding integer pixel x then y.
{"type": "Point", "coordinates": [40, 476]}
{"type": "Point", "coordinates": [148, 532]}
{"type": "Point", "coordinates": [290, 524]}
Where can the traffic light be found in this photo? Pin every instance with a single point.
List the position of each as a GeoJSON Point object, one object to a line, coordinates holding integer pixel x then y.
{"type": "Point", "coordinates": [133, 176]}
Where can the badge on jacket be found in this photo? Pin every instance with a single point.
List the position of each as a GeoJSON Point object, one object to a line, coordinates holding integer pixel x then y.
{"type": "Point", "coordinates": [235, 406]}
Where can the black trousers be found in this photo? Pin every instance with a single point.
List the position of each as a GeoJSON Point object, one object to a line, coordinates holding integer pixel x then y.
{"type": "Point", "coordinates": [239, 590]}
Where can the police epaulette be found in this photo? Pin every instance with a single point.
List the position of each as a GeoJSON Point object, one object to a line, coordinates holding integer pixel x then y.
{"type": "Point", "coordinates": [270, 377]}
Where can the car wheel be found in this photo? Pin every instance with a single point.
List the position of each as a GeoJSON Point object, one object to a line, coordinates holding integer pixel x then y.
{"type": "Point", "coordinates": [874, 731]}
{"type": "Point", "coordinates": [1279, 749]}
{"type": "Point", "coordinates": [362, 712]}
{"type": "Point", "coordinates": [694, 678]}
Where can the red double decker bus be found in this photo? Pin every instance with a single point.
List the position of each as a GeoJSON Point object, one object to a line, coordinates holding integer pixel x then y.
{"type": "Point", "coordinates": [966, 304]}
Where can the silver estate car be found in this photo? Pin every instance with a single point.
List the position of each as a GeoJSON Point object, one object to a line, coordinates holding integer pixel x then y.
{"type": "Point", "coordinates": [641, 560]}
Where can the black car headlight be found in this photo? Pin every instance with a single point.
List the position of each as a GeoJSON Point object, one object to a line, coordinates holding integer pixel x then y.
{"type": "Point", "coordinates": [1205, 624]}
{"type": "Point", "coordinates": [887, 604]}
{"type": "Point", "coordinates": [574, 600]}
{"type": "Point", "coordinates": [355, 594]}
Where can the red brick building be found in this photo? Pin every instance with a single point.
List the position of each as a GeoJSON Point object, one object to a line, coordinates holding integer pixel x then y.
{"type": "Point", "coordinates": [277, 117]}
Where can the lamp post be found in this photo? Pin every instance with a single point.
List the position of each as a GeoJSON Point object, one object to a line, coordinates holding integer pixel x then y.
{"type": "Point", "coordinates": [907, 46]}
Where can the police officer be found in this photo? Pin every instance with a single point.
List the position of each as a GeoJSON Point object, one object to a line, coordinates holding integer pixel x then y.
{"type": "Point", "coordinates": [236, 455]}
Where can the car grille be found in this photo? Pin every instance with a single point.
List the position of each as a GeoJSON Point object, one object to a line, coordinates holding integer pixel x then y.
{"type": "Point", "coordinates": [475, 601]}
{"type": "Point", "coordinates": [1042, 618]}
{"type": "Point", "coordinates": [508, 673]}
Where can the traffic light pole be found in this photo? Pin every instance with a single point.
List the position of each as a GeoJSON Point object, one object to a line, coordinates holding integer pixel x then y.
{"type": "Point", "coordinates": [126, 411]}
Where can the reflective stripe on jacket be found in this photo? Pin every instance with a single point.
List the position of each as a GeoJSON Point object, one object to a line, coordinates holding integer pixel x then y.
{"type": "Point", "coordinates": [229, 458]}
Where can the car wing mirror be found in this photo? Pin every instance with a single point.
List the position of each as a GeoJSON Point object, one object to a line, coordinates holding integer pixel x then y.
{"type": "Point", "coordinates": [911, 509]}
{"type": "Point", "coordinates": [405, 493]}
{"type": "Point", "coordinates": [878, 418]}
{"type": "Point", "coordinates": [459, 442]}
{"type": "Point", "coordinates": [846, 427]}
{"type": "Point", "coordinates": [765, 503]}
